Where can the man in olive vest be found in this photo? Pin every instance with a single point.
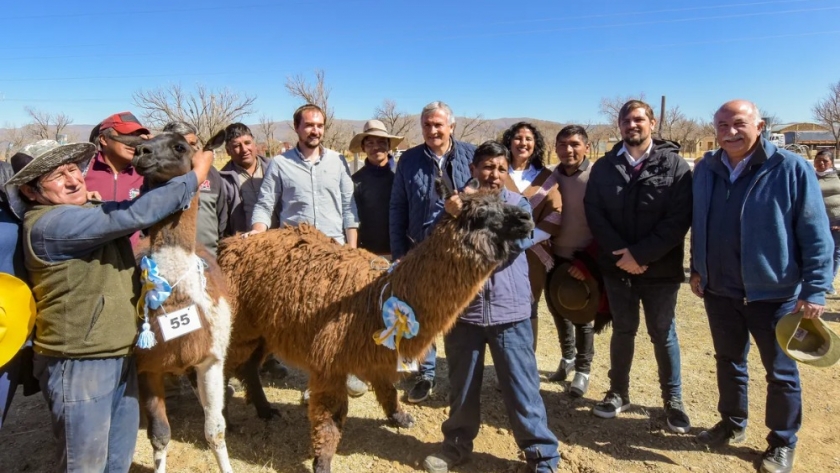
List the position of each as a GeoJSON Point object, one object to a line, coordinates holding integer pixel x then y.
{"type": "Point", "coordinates": [82, 273]}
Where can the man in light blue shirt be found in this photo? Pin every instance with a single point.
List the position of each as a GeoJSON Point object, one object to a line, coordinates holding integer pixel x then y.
{"type": "Point", "coordinates": [308, 184]}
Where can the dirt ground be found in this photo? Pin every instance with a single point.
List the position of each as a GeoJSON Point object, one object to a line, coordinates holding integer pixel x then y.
{"type": "Point", "coordinates": [635, 442]}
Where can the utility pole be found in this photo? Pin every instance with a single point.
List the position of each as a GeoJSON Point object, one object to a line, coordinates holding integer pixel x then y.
{"type": "Point", "coordinates": [661, 115]}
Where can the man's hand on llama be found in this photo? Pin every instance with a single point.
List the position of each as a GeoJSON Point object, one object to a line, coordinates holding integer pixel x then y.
{"type": "Point", "coordinates": [255, 229]}
{"type": "Point", "coordinates": [453, 205]}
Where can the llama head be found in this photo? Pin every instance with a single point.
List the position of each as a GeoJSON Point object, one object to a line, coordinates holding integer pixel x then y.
{"type": "Point", "coordinates": [165, 156]}
{"type": "Point", "coordinates": [487, 225]}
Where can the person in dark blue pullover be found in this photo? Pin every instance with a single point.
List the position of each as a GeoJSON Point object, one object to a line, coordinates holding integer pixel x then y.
{"type": "Point", "coordinates": [499, 317]}
{"type": "Point", "coordinates": [761, 249]}
{"type": "Point", "coordinates": [83, 275]}
{"type": "Point", "coordinates": [414, 201]}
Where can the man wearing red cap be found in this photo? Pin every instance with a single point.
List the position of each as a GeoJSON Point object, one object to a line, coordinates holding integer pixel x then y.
{"type": "Point", "coordinates": [110, 172]}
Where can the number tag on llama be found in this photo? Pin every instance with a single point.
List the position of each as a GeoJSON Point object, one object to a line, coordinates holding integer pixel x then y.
{"type": "Point", "coordinates": [405, 365]}
{"type": "Point", "coordinates": [179, 323]}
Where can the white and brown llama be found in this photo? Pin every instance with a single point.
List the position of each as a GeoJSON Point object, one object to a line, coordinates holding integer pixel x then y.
{"type": "Point", "coordinates": [192, 326]}
{"type": "Point", "coordinates": [318, 305]}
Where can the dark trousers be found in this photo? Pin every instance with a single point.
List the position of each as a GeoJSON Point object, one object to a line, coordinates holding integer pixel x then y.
{"type": "Point", "coordinates": [94, 409]}
{"type": "Point", "coordinates": [511, 346]}
{"type": "Point", "coordinates": [732, 323]}
{"type": "Point", "coordinates": [577, 341]}
{"type": "Point", "coordinates": [659, 302]}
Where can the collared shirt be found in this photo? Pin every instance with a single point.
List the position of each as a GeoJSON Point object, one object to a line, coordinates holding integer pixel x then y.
{"type": "Point", "coordinates": [633, 162]}
{"type": "Point", "coordinates": [318, 192]}
{"type": "Point", "coordinates": [739, 168]}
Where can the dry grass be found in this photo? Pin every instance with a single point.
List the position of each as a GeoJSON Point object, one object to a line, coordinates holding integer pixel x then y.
{"type": "Point", "coordinates": [635, 442]}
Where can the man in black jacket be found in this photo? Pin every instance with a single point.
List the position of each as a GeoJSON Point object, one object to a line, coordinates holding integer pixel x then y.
{"type": "Point", "coordinates": [638, 205]}
{"type": "Point", "coordinates": [373, 185]}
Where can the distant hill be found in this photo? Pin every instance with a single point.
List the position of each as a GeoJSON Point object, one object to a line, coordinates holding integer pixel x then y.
{"type": "Point", "coordinates": [345, 129]}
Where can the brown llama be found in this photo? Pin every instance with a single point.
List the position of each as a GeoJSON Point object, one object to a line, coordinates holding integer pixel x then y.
{"type": "Point", "coordinates": [317, 304]}
{"type": "Point", "coordinates": [196, 281]}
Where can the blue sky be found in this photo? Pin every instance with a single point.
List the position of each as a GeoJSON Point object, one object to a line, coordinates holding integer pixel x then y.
{"type": "Point", "coordinates": [552, 60]}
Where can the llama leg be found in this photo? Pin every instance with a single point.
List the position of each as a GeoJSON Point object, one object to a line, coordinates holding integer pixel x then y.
{"type": "Point", "coordinates": [249, 373]}
{"type": "Point", "coordinates": [386, 395]}
{"type": "Point", "coordinates": [152, 395]}
{"type": "Point", "coordinates": [211, 391]}
{"type": "Point", "coordinates": [327, 412]}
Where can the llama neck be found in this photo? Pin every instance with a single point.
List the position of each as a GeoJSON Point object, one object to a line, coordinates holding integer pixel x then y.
{"type": "Point", "coordinates": [178, 229]}
{"type": "Point", "coordinates": [438, 279]}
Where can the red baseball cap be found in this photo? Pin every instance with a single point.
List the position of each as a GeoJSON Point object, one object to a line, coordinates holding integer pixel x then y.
{"type": "Point", "coordinates": [123, 123]}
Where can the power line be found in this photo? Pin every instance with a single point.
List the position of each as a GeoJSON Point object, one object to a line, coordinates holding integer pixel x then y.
{"type": "Point", "coordinates": [484, 35]}
{"type": "Point", "coordinates": [641, 23]}
{"type": "Point", "coordinates": [431, 27]}
{"type": "Point", "coordinates": [570, 52]}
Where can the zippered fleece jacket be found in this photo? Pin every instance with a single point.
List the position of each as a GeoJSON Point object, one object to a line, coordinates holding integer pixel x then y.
{"type": "Point", "coordinates": [647, 212]}
{"type": "Point", "coordinates": [786, 244]}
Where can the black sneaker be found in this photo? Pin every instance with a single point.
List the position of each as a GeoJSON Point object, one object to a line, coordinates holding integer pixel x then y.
{"type": "Point", "coordinates": [777, 460]}
{"type": "Point", "coordinates": [563, 371]}
{"type": "Point", "coordinates": [677, 418]}
{"type": "Point", "coordinates": [421, 391]}
{"type": "Point", "coordinates": [721, 434]}
{"type": "Point", "coordinates": [612, 405]}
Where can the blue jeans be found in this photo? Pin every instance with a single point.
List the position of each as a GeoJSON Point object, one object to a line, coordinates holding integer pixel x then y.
{"type": "Point", "coordinates": [512, 348]}
{"type": "Point", "coordinates": [9, 377]}
{"type": "Point", "coordinates": [836, 236]}
{"type": "Point", "coordinates": [659, 302]}
{"type": "Point", "coordinates": [426, 369]}
{"type": "Point", "coordinates": [732, 323]}
{"type": "Point", "coordinates": [94, 409]}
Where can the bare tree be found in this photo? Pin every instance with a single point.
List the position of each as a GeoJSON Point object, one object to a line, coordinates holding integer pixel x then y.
{"type": "Point", "coordinates": [301, 88]}
{"type": "Point", "coordinates": [473, 129]}
{"type": "Point", "coordinates": [396, 122]}
{"type": "Point", "coordinates": [207, 110]}
{"type": "Point", "coordinates": [610, 106]}
{"type": "Point", "coordinates": [45, 125]}
{"type": "Point", "coordinates": [770, 119]}
{"type": "Point", "coordinates": [827, 113]}
{"type": "Point", "coordinates": [676, 126]}
{"type": "Point", "coordinates": [14, 138]}
{"type": "Point", "coordinates": [267, 128]}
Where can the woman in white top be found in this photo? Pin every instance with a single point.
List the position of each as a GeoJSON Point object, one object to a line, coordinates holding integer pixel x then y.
{"type": "Point", "coordinates": [529, 176]}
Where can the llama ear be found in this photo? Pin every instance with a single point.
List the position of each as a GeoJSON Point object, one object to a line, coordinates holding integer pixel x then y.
{"type": "Point", "coordinates": [217, 141]}
{"type": "Point", "coordinates": [473, 184]}
{"type": "Point", "coordinates": [128, 140]}
{"type": "Point", "coordinates": [443, 189]}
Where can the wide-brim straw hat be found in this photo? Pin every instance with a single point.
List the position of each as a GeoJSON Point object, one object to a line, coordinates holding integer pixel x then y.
{"type": "Point", "coordinates": [50, 159]}
{"type": "Point", "coordinates": [577, 301]}
{"type": "Point", "coordinates": [809, 341]}
{"type": "Point", "coordinates": [373, 128]}
{"type": "Point", "coordinates": [47, 155]}
{"type": "Point", "coordinates": [17, 315]}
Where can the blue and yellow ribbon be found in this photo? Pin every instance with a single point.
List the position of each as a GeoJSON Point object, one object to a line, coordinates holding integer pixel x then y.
{"type": "Point", "coordinates": [154, 291]}
{"type": "Point", "coordinates": [399, 323]}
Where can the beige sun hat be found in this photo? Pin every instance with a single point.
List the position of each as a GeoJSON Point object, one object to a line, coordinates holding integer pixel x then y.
{"type": "Point", "coordinates": [373, 128]}
{"type": "Point", "coordinates": [46, 155]}
{"type": "Point", "coordinates": [808, 341]}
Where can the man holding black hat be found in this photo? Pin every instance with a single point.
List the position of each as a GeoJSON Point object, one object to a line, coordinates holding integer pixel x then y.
{"type": "Point", "coordinates": [83, 275]}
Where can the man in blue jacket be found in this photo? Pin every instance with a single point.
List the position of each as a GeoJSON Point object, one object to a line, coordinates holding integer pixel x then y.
{"type": "Point", "coordinates": [761, 249]}
{"type": "Point", "coordinates": [413, 200]}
